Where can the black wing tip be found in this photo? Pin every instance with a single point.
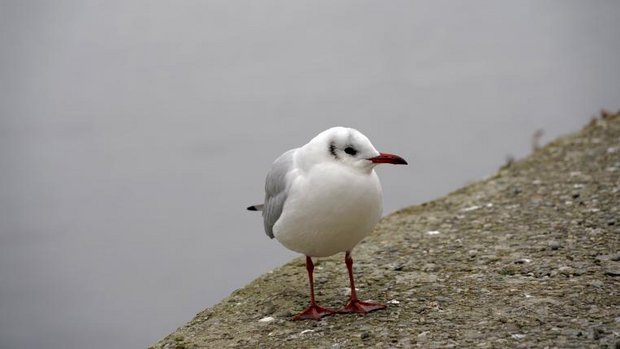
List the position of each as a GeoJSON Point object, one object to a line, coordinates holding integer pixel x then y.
{"type": "Point", "coordinates": [252, 208]}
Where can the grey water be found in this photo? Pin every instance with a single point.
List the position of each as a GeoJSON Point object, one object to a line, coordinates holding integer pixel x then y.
{"type": "Point", "coordinates": [134, 134]}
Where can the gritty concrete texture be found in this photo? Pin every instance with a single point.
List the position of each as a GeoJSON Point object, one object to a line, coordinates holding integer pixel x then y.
{"type": "Point", "coordinates": [528, 258]}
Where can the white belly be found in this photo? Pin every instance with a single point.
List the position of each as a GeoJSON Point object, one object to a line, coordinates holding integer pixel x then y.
{"type": "Point", "coordinates": [329, 211]}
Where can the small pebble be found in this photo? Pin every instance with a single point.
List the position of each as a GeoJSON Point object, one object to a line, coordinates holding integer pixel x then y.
{"type": "Point", "coordinates": [522, 261]}
{"type": "Point", "coordinates": [596, 283]}
{"type": "Point", "coordinates": [470, 208]}
{"type": "Point", "coordinates": [567, 271]}
{"type": "Point", "coordinates": [613, 272]}
{"type": "Point", "coordinates": [266, 319]}
{"type": "Point", "coordinates": [269, 308]}
{"type": "Point", "coordinates": [554, 244]}
{"type": "Point", "coordinates": [423, 337]}
{"type": "Point", "coordinates": [430, 267]}
{"type": "Point", "coordinates": [397, 267]}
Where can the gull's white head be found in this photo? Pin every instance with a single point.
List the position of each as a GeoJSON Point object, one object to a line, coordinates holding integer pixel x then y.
{"type": "Point", "coordinates": [346, 146]}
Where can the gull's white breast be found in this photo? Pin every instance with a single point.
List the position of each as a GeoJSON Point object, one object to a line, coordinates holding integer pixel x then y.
{"type": "Point", "coordinates": [329, 209]}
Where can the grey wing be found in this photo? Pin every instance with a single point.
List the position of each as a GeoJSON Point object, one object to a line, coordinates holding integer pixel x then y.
{"type": "Point", "coordinates": [276, 190]}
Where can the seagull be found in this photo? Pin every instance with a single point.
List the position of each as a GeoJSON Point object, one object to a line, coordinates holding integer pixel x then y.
{"type": "Point", "coordinates": [323, 198]}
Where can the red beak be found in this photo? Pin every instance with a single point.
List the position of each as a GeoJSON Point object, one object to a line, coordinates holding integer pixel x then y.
{"type": "Point", "coordinates": [386, 158]}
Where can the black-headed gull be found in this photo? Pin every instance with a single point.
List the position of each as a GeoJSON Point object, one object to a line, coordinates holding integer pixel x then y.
{"type": "Point", "coordinates": [324, 198]}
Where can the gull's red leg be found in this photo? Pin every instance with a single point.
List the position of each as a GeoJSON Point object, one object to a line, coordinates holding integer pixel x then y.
{"type": "Point", "coordinates": [314, 311]}
{"type": "Point", "coordinates": [355, 305]}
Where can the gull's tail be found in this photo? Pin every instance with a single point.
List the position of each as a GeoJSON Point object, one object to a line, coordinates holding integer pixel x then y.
{"type": "Point", "coordinates": [255, 207]}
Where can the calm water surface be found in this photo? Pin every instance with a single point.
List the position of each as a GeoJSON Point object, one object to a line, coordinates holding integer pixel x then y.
{"type": "Point", "coordinates": [134, 134]}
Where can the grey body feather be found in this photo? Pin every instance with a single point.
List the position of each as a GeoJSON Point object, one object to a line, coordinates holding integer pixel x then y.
{"type": "Point", "coordinates": [276, 190]}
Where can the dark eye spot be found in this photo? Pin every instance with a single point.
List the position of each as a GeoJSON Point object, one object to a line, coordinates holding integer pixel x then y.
{"type": "Point", "coordinates": [350, 150]}
{"type": "Point", "coordinates": [332, 150]}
